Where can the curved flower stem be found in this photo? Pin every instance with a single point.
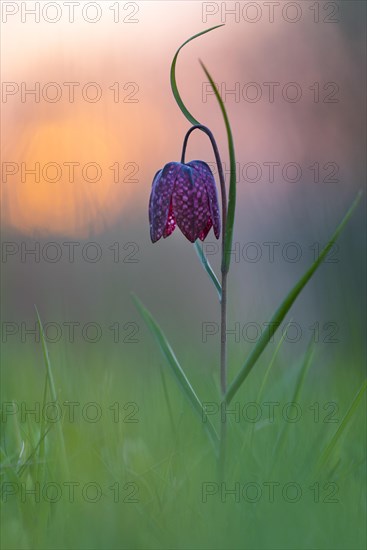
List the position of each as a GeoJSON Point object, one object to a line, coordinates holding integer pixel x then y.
{"type": "Point", "coordinates": [223, 366]}
{"type": "Point", "coordinates": [220, 172]}
{"type": "Point", "coordinates": [223, 354]}
{"type": "Point", "coordinates": [223, 339]}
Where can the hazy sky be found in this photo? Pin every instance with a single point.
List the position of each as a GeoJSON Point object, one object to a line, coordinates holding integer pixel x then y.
{"type": "Point", "coordinates": [103, 119]}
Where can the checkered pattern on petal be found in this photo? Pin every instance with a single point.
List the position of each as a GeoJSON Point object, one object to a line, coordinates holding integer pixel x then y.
{"type": "Point", "coordinates": [171, 223]}
{"type": "Point", "coordinates": [207, 178]}
{"type": "Point", "coordinates": [183, 203]}
{"type": "Point", "coordinates": [203, 234]}
{"type": "Point", "coordinates": [184, 194]}
{"type": "Point", "coordinates": [160, 201]}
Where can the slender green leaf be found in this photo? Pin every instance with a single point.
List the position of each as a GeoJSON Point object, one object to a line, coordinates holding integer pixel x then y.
{"type": "Point", "coordinates": [267, 372]}
{"type": "Point", "coordinates": [52, 387]}
{"type": "Point", "coordinates": [41, 452]}
{"type": "Point", "coordinates": [7, 467]}
{"type": "Point", "coordinates": [33, 452]}
{"type": "Point", "coordinates": [166, 396]}
{"type": "Point", "coordinates": [344, 423]}
{"type": "Point", "coordinates": [284, 308]}
{"type": "Point", "coordinates": [232, 183]}
{"type": "Point", "coordinates": [271, 364]}
{"type": "Point", "coordinates": [279, 447]}
{"type": "Point", "coordinates": [175, 91]}
{"type": "Point", "coordinates": [50, 378]}
{"type": "Point", "coordinates": [176, 368]}
{"type": "Point", "coordinates": [232, 178]}
{"type": "Point", "coordinates": [304, 370]}
{"type": "Point", "coordinates": [208, 268]}
{"type": "Point", "coordinates": [248, 437]}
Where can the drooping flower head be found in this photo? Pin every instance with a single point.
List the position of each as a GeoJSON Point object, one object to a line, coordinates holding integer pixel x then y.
{"type": "Point", "coordinates": [186, 195]}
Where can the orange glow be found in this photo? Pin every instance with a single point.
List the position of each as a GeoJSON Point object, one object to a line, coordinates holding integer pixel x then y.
{"type": "Point", "coordinates": [149, 133]}
{"type": "Point", "coordinates": [63, 197]}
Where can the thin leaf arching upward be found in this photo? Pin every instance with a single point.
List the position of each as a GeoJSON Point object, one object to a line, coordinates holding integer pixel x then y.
{"type": "Point", "coordinates": [175, 366]}
{"type": "Point", "coordinates": [232, 178]}
{"type": "Point", "coordinates": [284, 308]}
{"type": "Point", "coordinates": [175, 91]}
{"type": "Point", "coordinates": [232, 183]}
{"type": "Point", "coordinates": [344, 423]}
{"type": "Point", "coordinates": [51, 384]}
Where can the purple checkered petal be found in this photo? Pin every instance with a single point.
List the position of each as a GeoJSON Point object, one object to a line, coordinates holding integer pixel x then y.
{"type": "Point", "coordinates": [201, 204]}
{"type": "Point", "coordinates": [204, 233]}
{"type": "Point", "coordinates": [160, 218]}
{"type": "Point", "coordinates": [184, 194]}
{"type": "Point", "coordinates": [207, 177]}
{"type": "Point", "coordinates": [171, 223]}
{"type": "Point", "coordinates": [151, 211]}
{"type": "Point", "coordinates": [183, 203]}
{"type": "Point", "coordinates": [190, 203]}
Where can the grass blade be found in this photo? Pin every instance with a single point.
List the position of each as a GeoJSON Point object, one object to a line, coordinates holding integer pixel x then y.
{"type": "Point", "coordinates": [208, 268]}
{"type": "Point", "coordinates": [344, 423]}
{"type": "Point", "coordinates": [50, 378]}
{"type": "Point", "coordinates": [175, 91]}
{"type": "Point", "coordinates": [169, 408]}
{"type": "Point", "coordinates": [41, 452]}
{"type": "Point", "coordinates": [279, 446]}
{"type": "Point", "coordinates": [176, 369]}
{"type": "Point", "coordinates": [51, 383]}
{"type": "Point", "coordinates": [267, 373]}
{"type": "Point", "coordinates": [271, 363]}
{"type": "Point", "coordinates": [285, 307]}
{"type": "Point", "coordinates": [304, 370]}
{"type": "Point", "coordinates": [32, 454]}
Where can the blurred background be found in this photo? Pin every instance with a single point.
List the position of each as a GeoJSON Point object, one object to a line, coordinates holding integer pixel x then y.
{"type": "Point", "coordinates": [88, 118]}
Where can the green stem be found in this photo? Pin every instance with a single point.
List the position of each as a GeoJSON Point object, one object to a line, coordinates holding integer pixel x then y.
{"type": "Point", "coordinates": [224, 269]}
{"type": "Point", "coordinates": [223, 336]}
{"type": "Point", "coordinates": [223, 369]}
{"type": "Point", "coordinates": [223, 309]}
{"type": "Point", "coordinates": [228, 213]}
{"type": "Point", "coordinates": [220, 171]}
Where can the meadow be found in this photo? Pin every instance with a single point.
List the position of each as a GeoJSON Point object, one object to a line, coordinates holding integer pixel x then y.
{"type": "Point", "coordinates": [127, 421]}
{"type": "Point", "coordinates": [122, 461]}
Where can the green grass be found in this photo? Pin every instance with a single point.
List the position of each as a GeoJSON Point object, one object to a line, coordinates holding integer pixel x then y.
{"type": "Point", "coordinates": [164, 459]}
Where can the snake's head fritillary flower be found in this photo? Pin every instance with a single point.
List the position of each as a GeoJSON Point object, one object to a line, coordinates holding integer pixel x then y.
{"type": "Point", "coordinates": [186, 195]}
